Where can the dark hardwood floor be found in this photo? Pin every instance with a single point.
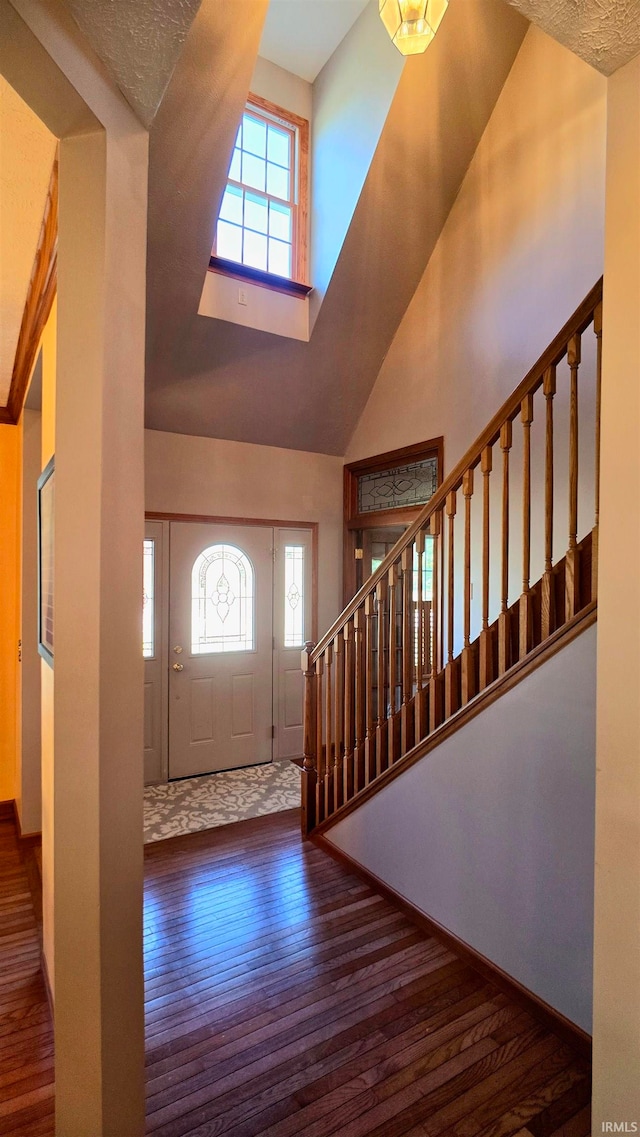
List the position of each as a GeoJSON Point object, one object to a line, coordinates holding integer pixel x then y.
{"type": "Point", "coordinates": [284, 996]}
{"type": "Point", "coordinates": [26, 1035]}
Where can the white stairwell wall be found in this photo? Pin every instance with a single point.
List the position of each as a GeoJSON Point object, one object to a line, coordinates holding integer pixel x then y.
{"type": "Point", "coordinates": [492, 834]}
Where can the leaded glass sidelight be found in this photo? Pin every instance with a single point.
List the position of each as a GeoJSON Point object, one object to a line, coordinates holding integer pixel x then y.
{"type": "Point", "coordinates": [222, 601]}
{"type": "Point", "coordinates": [148, 599]}
{"type": "Point", "coordinates": [294, 595]}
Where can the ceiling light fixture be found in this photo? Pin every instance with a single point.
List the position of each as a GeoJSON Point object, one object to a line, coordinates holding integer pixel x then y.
{"type": "Point", "coordinates": [412, 24]}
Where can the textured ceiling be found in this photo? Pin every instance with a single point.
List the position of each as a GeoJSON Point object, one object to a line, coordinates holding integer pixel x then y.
{"type": "Point", "coordinates": [209, 377]}
{"type": "Point", "coordinates": [605, 33]}
{"type": "Point", "coordinates": [139, 43]}
{"type": "Point", "coordinates": [27, 150]}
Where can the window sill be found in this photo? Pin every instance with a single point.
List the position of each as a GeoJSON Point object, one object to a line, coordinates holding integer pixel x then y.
{"type": "Point", "coordinates": [258, 276]}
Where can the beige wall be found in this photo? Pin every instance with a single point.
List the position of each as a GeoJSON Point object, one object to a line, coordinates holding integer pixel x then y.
{"type": "Point", "coordinates": [282, 87]}
{"type": "Point", "coordinates": [520, 249]}
{"type": "Point", "coordinates": [28, 763]}
{"type": "Point", "coordinates": [49, 347]}
{"type": "Point", "coordinates": [474, 832]}
{"type": "Point", "coordinates": [616, 1071]}
{"type": "Point", "coordinates": [189, 474]}
{"type": "Point", "coordinates": [9, 570]}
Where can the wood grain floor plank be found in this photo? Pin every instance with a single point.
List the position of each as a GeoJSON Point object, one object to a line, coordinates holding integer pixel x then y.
{"type": "Point", "coordinates": [26, 1033]}
{"type": "Point", "coordinates": [285, 998]}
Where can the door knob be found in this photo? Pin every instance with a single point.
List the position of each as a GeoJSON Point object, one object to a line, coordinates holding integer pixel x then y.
{"type": "Point", "coordinates": [178, 650]}
{"type": "Point", "coordinates": [178, 667]}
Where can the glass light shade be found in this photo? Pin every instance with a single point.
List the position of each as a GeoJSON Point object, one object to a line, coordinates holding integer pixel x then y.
{"type": "Point", "coordinates": [412, 24]}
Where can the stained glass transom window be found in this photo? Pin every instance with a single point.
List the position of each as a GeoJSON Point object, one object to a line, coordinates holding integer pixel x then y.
{"type": "Point", "coordinates": [148, 599]}
{"type": "Point", "coordinates": [413, 484]}
{"type": "Point", "coordinates": [222, 601]}
{"type": "Point", "coordinates": [293, 595]}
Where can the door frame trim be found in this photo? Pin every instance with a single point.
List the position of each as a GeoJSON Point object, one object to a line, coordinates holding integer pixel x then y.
{"type": "Point", "coordinates": [158, 515]}
{"type": "Point", "coordinates": [267, 522]}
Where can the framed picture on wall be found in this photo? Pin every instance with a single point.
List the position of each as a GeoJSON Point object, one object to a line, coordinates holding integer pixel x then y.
{"type": "Point", "coordinates": [45, 561]}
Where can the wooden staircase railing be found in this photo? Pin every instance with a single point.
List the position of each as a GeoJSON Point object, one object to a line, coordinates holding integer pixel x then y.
{"type": "Point", "coordinates": [412, 648]}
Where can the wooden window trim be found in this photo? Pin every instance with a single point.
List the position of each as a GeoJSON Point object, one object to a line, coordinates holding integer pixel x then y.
{"type": "Point", "coordinates": [296, 286]}
{"type": "Point", "coordinates": [258, 276]}
{"type": "Point", "coordinates": [418, 452]}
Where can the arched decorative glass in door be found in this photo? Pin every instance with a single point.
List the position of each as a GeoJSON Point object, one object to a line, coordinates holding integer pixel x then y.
{"type": "Point", "coordinates": [222, 601]}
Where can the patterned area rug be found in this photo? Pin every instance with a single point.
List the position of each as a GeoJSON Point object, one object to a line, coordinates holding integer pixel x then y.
{"type": "Point", "coordinates": [191, 804]}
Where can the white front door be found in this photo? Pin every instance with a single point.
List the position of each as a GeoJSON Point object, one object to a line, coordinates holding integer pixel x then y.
{"type": "Point", "coordinates": [220, 647]}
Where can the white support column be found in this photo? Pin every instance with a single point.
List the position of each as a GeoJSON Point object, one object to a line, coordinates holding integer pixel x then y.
{"type": "Point", "coordinates": [92, 794]}
{"type": "Point", "coordinates": [97, 840]}
{"type": "Point", "coordinates": [616, 1028]}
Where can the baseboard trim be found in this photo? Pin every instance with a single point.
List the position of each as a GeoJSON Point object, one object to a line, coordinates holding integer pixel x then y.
{"type": "Point", "coordinates": [7, 810]}
{"type": "Point", "coordinates": [553, 1019]}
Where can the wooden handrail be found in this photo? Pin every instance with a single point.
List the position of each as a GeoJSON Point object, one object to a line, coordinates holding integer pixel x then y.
{"type": "Point", "coordinates": [553, 355]}
{"type": "Point", "coordinates": [401, 660]}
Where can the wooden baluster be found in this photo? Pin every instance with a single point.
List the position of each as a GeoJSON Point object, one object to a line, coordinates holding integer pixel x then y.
{"type": "Point", "coordinates": [308, 818]}
{"type": "Point", "coordinates": [320, 757]}
{"type": "Point", "coordinates": [392, 587]}
{"type": "Point", "coordinates": [347, 765]}
{"type": "Point", "coordinates": [423, 665]}
{"type": "Point", "coordinates": [486, 652]}
{"type": "Point", "coordinates": [504, 627]}
{"type": "Point", "coordinates": [360, 698]}
{"type": "Point", "coordinates": [327, 790]}
{"type": "Point", "coordinates": [338, 667]}
{"type": "Point", "coordinates": [468, 677]}
{"type": "Point", "coordinates": [428, 648]}
{"type": "Point", "coordinates": [370, 740]}
{"type": "Point", "coordinates": [440, 547]}
{"type": "Point", "coordinates": [451, 700]}
{"type": "Point", "coordinates": [381, 726]}
{"type": "Point", "coordinates": [408, 651]}
{"type": "Point", "coordinates": [526, 599]}
{"type": "Point", "coordinates": [435, 677]}
{"type": "Point", "coordinates": [597, 327]}
{"type": "Point", "coordinates": [548, 596]}
{"type": "Point", "coordinates": [572, 570]}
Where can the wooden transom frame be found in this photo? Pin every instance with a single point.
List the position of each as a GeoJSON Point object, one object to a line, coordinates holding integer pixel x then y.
{"type": "Point", "coordinates": [402, 515]}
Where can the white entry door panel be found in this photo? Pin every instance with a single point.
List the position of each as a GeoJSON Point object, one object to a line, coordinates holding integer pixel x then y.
{"type": "Point", "coordinates": [154, 651]}
{"type": "Point", "coordinates": [220, 647]}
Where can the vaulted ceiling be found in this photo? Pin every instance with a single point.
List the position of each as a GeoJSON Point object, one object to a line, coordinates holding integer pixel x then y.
{"type": "Point", "coordinates": [194, 62]}
{"type": "Point", "coordinates": [207, 376]}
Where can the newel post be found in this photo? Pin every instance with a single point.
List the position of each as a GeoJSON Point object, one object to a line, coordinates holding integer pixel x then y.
{"type": "Point", "coordinates": [309, 766]}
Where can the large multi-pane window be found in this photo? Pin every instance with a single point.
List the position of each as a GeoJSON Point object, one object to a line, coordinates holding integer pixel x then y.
{"type": "Point", "coordinates": [260, 224]}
